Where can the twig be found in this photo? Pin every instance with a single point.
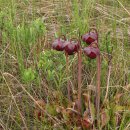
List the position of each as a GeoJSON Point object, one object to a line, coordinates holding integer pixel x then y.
{"type": "Point", "coordinates": [123, 7]}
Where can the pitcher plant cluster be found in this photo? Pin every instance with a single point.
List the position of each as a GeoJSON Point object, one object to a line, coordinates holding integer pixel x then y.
{"type": "Point", "coordinates": [73, 46]}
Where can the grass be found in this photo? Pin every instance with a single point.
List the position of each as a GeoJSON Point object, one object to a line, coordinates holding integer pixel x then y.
{"type": "Point", "coordinates": [30, 70]}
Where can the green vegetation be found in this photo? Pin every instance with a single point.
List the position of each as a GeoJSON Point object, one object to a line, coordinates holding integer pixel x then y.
{"type": "Point", "coordinates": [31, 71]}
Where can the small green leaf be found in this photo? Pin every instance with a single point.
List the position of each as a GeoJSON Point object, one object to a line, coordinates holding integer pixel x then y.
{"type": "Point", "coordinates": [28, 75]}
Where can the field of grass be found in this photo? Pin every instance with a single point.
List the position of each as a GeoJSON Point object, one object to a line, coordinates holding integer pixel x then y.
{"type": "Point", "coordinates": [33, 77]}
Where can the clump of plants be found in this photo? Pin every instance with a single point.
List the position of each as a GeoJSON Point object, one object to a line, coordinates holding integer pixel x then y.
{"type": "Point", "coordinates": [68, 47]}
{"type": "Point", "coordinates": [78, 109]}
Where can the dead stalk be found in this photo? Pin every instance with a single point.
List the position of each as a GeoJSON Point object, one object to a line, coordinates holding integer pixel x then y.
{"type": "Point", "coordinates": [108, 82]}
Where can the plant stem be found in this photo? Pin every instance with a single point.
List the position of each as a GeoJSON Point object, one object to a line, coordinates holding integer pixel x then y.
{"type": "Point", "coordinates": [67, 72]}
{"type": "Point", "coordinates": [98, 89]}
{"type": "Point", "coordinates": [98, 82]}
{"type": "Point", "coordinates": [79, 78]}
